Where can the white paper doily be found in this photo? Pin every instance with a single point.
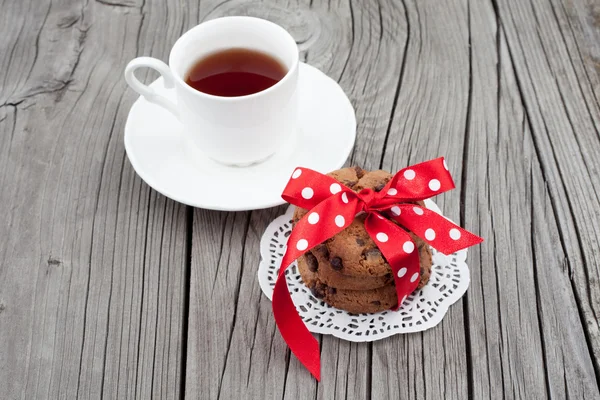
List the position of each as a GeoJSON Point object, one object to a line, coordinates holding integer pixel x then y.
{"type": "Point", "coordinates": [422, 310]}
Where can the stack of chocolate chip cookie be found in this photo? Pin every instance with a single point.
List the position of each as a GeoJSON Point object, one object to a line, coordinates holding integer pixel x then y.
{"type": "Point", "coordinates": [348, 271]}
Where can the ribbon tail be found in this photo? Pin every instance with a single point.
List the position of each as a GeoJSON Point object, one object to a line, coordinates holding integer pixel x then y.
{"type": "Point", "coordinates": [319, 224]}
{"type": "Point", "coordinates": [302, 343]}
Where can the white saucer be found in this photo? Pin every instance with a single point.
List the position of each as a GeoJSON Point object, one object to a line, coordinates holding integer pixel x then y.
{"type": "Point", "coordinates": [158, 152]}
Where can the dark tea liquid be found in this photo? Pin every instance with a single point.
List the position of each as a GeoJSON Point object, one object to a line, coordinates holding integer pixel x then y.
{"type": "Point", "coordinates": [235, 72]}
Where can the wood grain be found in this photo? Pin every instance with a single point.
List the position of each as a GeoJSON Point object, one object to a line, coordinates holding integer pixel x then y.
{"type": "Point", "coordinates": [428, 121]}
{"type": "Point", "coordinates": [92, 270]}
{"type": "Point", "coordinates": [338, 38]}
{"type": "Point", "coordinates": [532, 351]}
{"type": "Point", "coordinates": [108, 289]}
{"type": "Point", "coordinates": [564, 120]}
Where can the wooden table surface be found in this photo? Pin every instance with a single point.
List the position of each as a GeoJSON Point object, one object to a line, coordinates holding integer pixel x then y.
{"type": "Point", "coordinates": [110, 290]}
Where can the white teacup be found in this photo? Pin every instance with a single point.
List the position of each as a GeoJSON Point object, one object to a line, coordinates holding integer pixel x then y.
{"type": "Point", "coordinates": [232, 130]}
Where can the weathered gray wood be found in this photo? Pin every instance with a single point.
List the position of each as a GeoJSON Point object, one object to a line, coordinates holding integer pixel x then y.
{"type": "Point", "coordinates": [339, 38]}
{"type": "Point", "coordinates": [531, 344]}
{"type": "Point", "coordinates": [429, 121]}
{"type": "Point", "coordinates": [564, 118]}
{"type": "Point", "coordinates": [92, 262]}
{"type": "Point", "coordinates": [447, 102]}
{"type": "Point", "coordinates": [93, 286]}
{"type": "Point", "coordinates": [371, 77]}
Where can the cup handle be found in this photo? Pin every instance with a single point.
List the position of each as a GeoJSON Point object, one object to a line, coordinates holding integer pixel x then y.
{"type": "Point", "coordinates": [145, 90]}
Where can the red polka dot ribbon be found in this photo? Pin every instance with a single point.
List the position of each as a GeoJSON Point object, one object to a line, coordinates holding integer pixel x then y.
{"type": "Point", "coordinates": [333, 206]}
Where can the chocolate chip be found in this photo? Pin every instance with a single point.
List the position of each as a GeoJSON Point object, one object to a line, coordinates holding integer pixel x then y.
{"type": "Point", "coordinates": [311, 262]}
{"type": "Point", "coordinates": [379, 188]}
{"type": "Point", "coordinates": [360, 242]}
{"type": "Point", "coordinates": [331, 290]}
{"type": "Point", "coordinates": [336, 263]}
{"type": "Point", "coordinates": [376, 302]}
{"type": "Point", "coordinates": [318, 294]}
{"type": "Point", "coordinates": [322, 250]}
{"type": "Point", "coordinates": [422, 271]}
{"type": "Point", "coordinates": [318, 290]}
{"type": "Point", "coordinates": [373, 255]}
{"type": "Point", "coordinates": [349, 183]}
{"type": "Point", "coordinates": [359, 172]}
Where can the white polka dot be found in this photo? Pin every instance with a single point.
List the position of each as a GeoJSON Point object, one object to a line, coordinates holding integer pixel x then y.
{"type": "Point", "coordinates": [403, 300]}
{"type": "Point", "coordinates": [395, 210]}
{"type": "Point", "coordinates": [418, 210]}
{"type": "Point", "coordinates": [344, 198]}
{"type": "Point", "coordinates": [445, 165]}
{"type": "Point", "coordinates": [402, 272]}
{"type": "Point", "coordinates": [307, 193]}
{"type": "Point", "coordinates": [302, 244]}
{"type": "Point", "coordinates": [335, 188]}
{"type": "Point", "coordinates": [414, 277]}
{"type": "Point", "coordinates": [434, 185]}
{"type": "Point", "coordinates": [392, 192]}
{"type": "Point", "coordinates": [408, 247]}
{"type": "Point", "coordinates": [340, 221]}
{"type": "Point", "coordinates": [409, 174]}
{"type": "Point", "coordinates": [296, 174]}
{"type": "Point", "coordinates": [429, 234]}
{"type": "Point", "coordinates": [313, 218]}
{"type": "Point", "coordinates": [382, 237]}
{"type": "Point", "coordinates": [454, 234]}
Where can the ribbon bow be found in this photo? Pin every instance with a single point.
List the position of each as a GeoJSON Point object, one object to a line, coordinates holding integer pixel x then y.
{"type": "Point", "coordinates": [333, 206]}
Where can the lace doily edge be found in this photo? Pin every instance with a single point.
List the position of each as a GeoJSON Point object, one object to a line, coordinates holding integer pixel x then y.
{"type": "Point", "coordinates": [433, 321]}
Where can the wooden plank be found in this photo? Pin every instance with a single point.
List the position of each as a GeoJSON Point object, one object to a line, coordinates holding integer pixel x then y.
{"type": "Point", "coordinates": [564, 114]}
{"type": "Point", "coordinates": [525, 333]}
{"type": "Point", "coordinates": [429, 121]}
{"type": "Point", "coordinates": [371, 76]}
{"type": "Point", "coordinates": [92, 270]}
{"type": "Point", "coordinates": [231, 345]}
{"type": "Point", "coordinates": [433, 108]}
{"type": "Point", "coordinates": [578, 25]}
{"type": "Point", "coordinates": [234, 348]}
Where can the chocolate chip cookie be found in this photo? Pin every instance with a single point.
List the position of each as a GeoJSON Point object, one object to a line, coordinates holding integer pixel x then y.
{"type": "Point", "coordinates": [348, 271]}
